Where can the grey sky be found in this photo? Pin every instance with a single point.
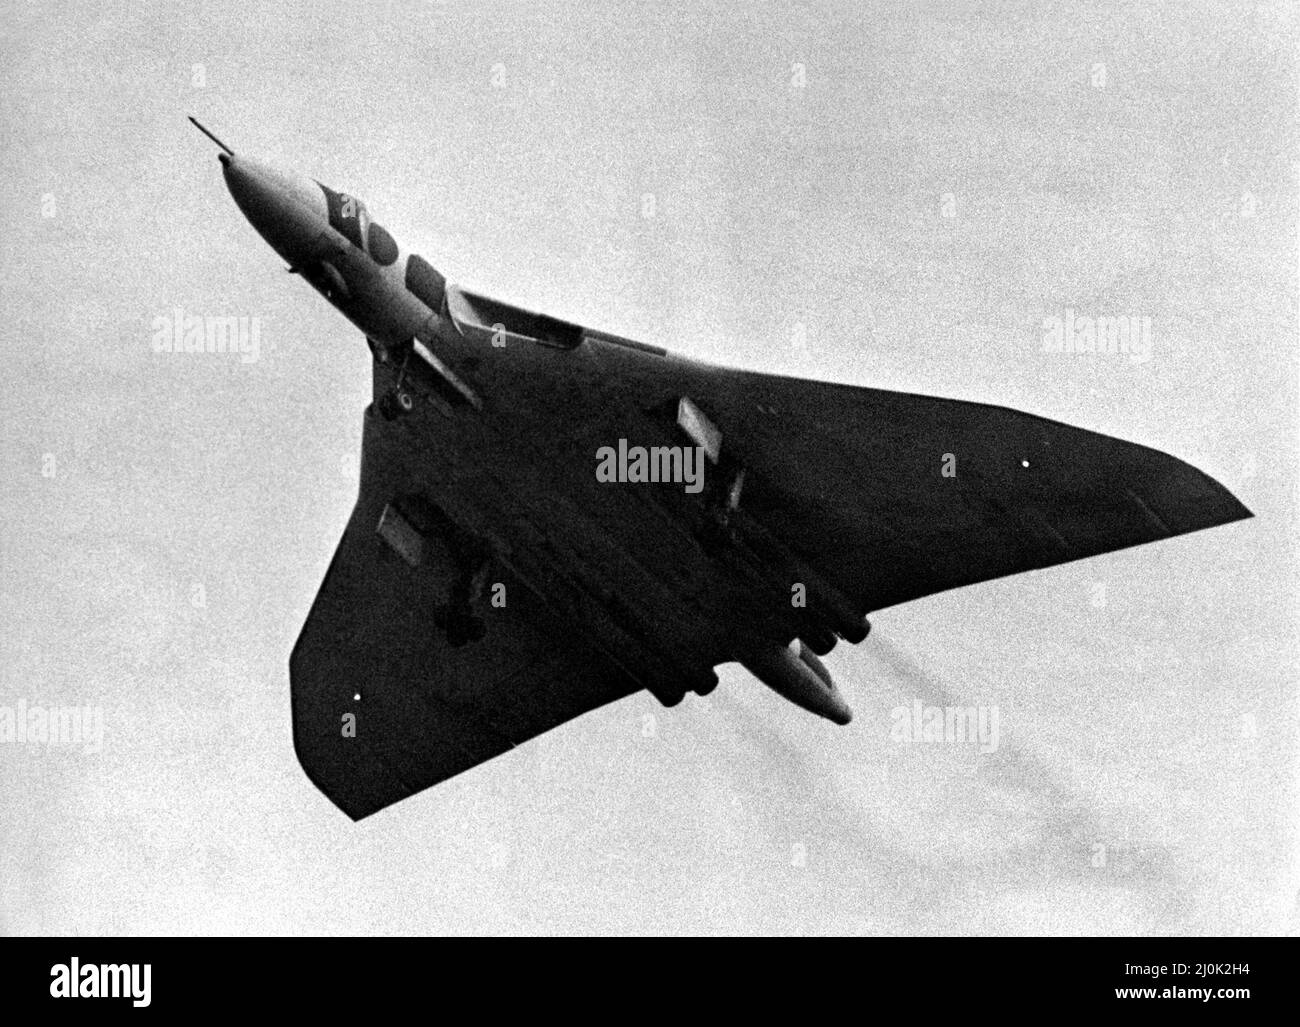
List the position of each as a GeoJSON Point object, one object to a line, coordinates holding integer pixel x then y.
{"type": "Point", "coordinates": [168, 518]}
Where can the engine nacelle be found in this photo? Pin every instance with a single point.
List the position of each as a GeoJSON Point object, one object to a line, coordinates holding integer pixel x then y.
{"type": "Point", "coordinates": [795, 673]}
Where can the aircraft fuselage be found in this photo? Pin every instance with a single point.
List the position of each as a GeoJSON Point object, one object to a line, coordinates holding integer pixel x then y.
{"type": "Point", "coordinates": [632, 565]}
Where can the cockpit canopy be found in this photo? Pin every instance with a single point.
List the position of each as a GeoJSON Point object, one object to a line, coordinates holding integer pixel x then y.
{"type": "Point", "coordinates": [349, 217]}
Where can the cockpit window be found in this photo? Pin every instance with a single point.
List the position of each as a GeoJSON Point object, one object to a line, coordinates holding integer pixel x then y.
{"type": "Point", "coordinates": [425, 282]}
{"type": "Point", "coordinates": [382, 246]}
{"type": "Point", "coordinates": [347, 215]}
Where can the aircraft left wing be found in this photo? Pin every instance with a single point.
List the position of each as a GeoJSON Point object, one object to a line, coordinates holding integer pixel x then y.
{"type": "Point", "coordinates": [383, 706]}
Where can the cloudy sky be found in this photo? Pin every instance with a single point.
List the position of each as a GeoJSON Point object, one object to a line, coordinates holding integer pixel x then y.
{"type": "Point", "coordinates": [894, 195]}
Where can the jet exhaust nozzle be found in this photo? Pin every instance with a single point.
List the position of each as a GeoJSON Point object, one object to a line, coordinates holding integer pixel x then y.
{"type": "Point", "coordinates": [794, 672]}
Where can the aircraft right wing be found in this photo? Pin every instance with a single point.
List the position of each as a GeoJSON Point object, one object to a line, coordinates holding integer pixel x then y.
{"type": "Point", "coordinates": [854, 478]}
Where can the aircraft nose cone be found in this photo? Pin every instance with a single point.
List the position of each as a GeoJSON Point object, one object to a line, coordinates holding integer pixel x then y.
{"type": "Point", "coordinates": [251, 191]}
{"type": "Point", "coordinates": [287, 209]}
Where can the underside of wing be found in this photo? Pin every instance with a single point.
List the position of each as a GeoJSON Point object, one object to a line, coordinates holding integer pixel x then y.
{"type": "Point", "coordinates": [896, 496]}
{"type": "Point", "coordinates": [384, 704]}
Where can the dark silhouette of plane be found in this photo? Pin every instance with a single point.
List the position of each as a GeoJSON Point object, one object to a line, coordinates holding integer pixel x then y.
{"type": "Point", "coordinates": [551, 518]}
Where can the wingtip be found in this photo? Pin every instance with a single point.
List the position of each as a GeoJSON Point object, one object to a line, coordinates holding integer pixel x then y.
{"type": "Point", "coordinates": [1233, 509]}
